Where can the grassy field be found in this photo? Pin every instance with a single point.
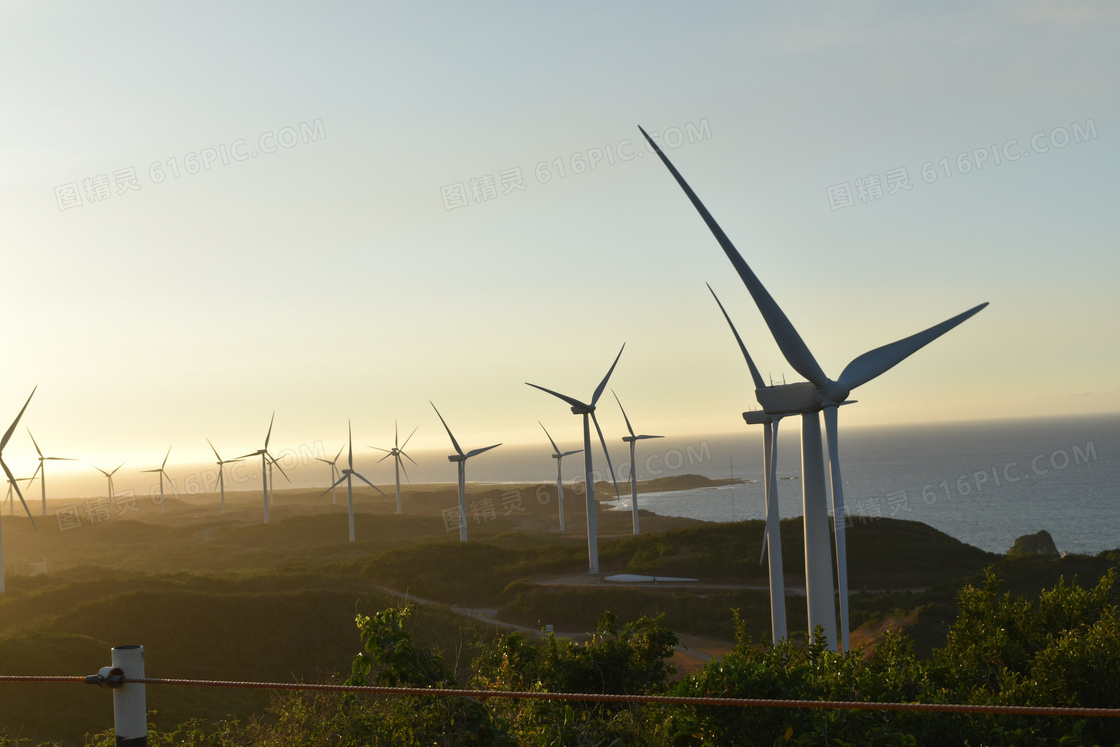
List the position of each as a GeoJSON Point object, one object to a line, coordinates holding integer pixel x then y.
{"type": "Point", "coordinates": [228, 597]}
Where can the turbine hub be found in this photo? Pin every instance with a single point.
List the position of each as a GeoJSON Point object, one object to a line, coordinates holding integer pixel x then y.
{"type": "Point", "coordinates": [832, 395]}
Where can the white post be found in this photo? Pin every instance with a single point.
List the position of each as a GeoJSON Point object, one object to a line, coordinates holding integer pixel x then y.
{"type": "Point", "coordinates": [589, 490]}
{"type": "Point", "coordinates": [819, 592]}
{"type": "Point", "coordinates": [560, 491]}
{"type": "Point", "coordinates": [633, 487]}
{"type": "Point", "coordinates": [130, 709]}
{"type": "Point", "coordinates": [463, 500]}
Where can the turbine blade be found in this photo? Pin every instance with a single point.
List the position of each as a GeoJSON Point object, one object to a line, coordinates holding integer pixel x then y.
{"type": "Point", "coordinates": [269, 434]}
{"type": "Point", "coordinates": [102, 471]}
{"type": "Point", "coordinates": [350, 434]}
{"type": "Point", "coordinates": [367, 482]}
{"type": "Point", "coordinates": [382, 459]}
{"type": "Point", "coordinates": [570, 400]}
{"type": "Point", "coordinates": [12, 427]}
{"type": "Point", "coordinates": [272, 459]}
{"type": "Point", "coordinates": [118, 467]}
{"type": "Point", "coordinates": [254, 454]}
{"type": "Point", "coordinates": [216, 454]}
{"type": "Point", "coordinates": [616, 399]}
{"type": "Point", "coordinates": [755, 375]}
{"type": "Point", "coordinates": [476, 452]}
{"type": "Point", "coordinates": [453, 441]}
{"type": "Point", "coordinates": [603, 384]}
{"type": "Point", "coordinates": [165, 458]}
{"type": "Point", "coordinates": [36, 473]}
{"type": "Point", "coordinates": [406, 456]}
{"type": "Point", "coordinates": [36, 445]}
{"type": "Point", "coordinates": [555, 448]}
{"type": "Point", "coordinates": [871, 364]}
{"type": "Point", "coordinates": [569, 453]}
{"type": "Point", "coordinates": [639, 438]}
{"type": "Point", "coordinates": [794, 349]}
{"type": "Point", "coordinates": [378, 448]}
{"type": "Point", "coordinates": [336, 456]}
{"type": "Point", "coordinates": [603, 441]}
{"type": "Point", "coordinates": [410, 435]}
{"type": "Point", "coordinates": [14, 484]}
{"type": "Point", "coordinates": [405, 471]}
{"type": "Point", "coordinates": [337, 482]}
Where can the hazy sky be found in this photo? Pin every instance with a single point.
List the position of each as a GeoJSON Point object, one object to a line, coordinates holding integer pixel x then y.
{"type": "Point", "coordinates": [357, 243]}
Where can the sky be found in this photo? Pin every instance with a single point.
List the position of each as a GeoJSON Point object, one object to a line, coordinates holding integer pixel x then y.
{"type": "Point", "coordinates": [344, 211]}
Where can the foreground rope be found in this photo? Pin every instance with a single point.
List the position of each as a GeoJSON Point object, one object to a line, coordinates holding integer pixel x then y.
{"type": "Point", "coordinates": [609, 698]}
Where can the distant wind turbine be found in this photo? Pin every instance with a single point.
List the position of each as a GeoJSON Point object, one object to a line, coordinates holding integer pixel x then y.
{"type": "Point", "coordinates": [347, 474]}
{"type": "Point", "coordinates": [42, 468]}
{"type": "Point", "coordinates": [11, 477]}
{"type": "Point", "coordinates": [221, 473]}
{"type": "Point", "coordinates": [109, 475]}
{"type": "Point", "coordinates": [461, 460]}
{"type": "Point", "coordinates": [632, 439]}
{"type": "Point", "coordinates": [397, 452]}
{"type": "Point", "coordinates": [11, 484]}
{"type": "Point", "coordinates": [162, 474]}
{"type": "Point", "coordinates": [334, 471]}
{"type": "Point", "coordinates": [588, 413]}
{"type": "Point", "coordinates": [266, 459]}
{"type": "Point", "coordinates": [559, 457]}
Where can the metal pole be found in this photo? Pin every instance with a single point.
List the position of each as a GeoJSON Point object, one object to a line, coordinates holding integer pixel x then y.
{"type": "Point", "coordinates": [130, 708]}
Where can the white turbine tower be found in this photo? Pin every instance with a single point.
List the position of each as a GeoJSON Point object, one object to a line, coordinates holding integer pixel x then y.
{"type": "Point", "coordinates": [221, 472]}
{"type": "Point", "coordinates": [346, 475]}
{"type": "Point", "coordinates": [559, 457]}
{"type": "Point", "coordinates": [588, 413]}
{"type": "Point", "coordinates": [808, 399]}
{"type": "Point", "coordinates": [266, 460]}
{"type": "Point", "coordinates": [334, 472]}
{"type": "Point", "coordinates": [43, 468]}
{"type": "Point", "coordinates": [397, 452]}
{"type": "Point", "coordinates": [162, 474]}
{"type": "Point", "coordinates": [632, 440]}
{"type": "Point", "coordinates": [461, 460]}
{"type": "Point", "coordinates": [109, 476]}
{"type": "Point", "coordinates": [772, 535]}
{"type": "Point", "coordinates": [11, 477]}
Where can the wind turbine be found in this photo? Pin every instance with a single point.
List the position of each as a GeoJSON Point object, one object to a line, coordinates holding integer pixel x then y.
{"type": "Point", "coordinates": [11, 477]}
{"type": "Point", "coordinates": [221, 473]}
{"type": "Point", "coordinates": [559, 457]}
{"type": "Point", "coordinates": [11, 484]}
{"type": "Point", "coordinates": [461, 459]}
{"type": "Point", "coordinates": [397, 452]}
{"type": "Point", "coordinates": [632, 439]}
{"type": "Point", "coordinates": [42, 467]}
{"type": "Point", "coordinates": [772, 535]}
{"type": "Point", "coordinates": [334, 471]}
{"type": "Point", "coordinates": [808, 399]}
{"type": "Point", "coordinates": [346, 475]}
{"type": "Point", "coordinates": [161, 476]}
{"type": "Point", "coordinates": [588, 413]}
{"type": "Point", "coordinates": [266, 460]}
{"type": "Point", "coordinates": [109, 475]}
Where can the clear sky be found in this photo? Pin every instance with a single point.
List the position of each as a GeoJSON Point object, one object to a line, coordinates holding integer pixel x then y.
{"type": "Point", "coordinates": [341, 254]}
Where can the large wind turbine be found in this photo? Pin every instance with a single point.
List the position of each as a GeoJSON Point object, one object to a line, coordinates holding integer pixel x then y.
{"type": "Point", "coordinates": [559, 457]}
{"type": "Point", "coordinates": [461, 460]}
{"type": "Point", "coordinates": [11, 484]}
{"type": "Point", "coordinates": [397, 452]}
{"type": "Point", "coordinates": [8, 472]}
{"type": "Point", "coordinates": [808, 399]}
{"type": "Point", "coordinates": [42, 468]}
{"type": "Point", "coordinates": [772, 535]}
{"type": "Point", "coordinates": [632, 439]}
{"type": "Point", "coordinates": [346, 475]}
{"type": "Point", "coordinates": [162, 474]}
{"type": "Point", "coordinates": [109, 475]}
{"type": "Point", "coordinates": [588, 413]}
{"type": "Point", "coordinates": [266, 459]}
{"type": "Point", "coordinates": [221, 473]}
{"type": "Point", "coordinates": [334, 472]}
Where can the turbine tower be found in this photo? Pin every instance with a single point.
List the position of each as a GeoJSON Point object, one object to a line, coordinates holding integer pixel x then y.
{"type": "Point", "coordinates": [11, 484]}
{"type": "Point", "coordinates": [266, 459]}
{"type": "Point", "coordinates": [346, 475]}
{"type": "Point", "coordinates": [334, 472]}
{"type": "Point", "coordinates": [588, 413]}
{"type": "Point", "coordinates": [42, 468]}
{"type": "Point", "coordinates": [397, 452]}
{"type": "Point", "coordinates": [221, 473]}
{"type": "Point", "coordinates": [162, 474]}
{"type": "Point", "coordinates": [461, 460]}
{"type": "Point", "coordinates": [632, 439]}
{"type": "Point", "coordinates": [559, 457]}
{"type": "Point", "coordinates": [808, 399]}
{"type": "Point", "coordinates": [11, 477]}
{"type": "Point", "coordinates": [772, 535]}
{"type": "Point", "coordinates": [109, 475]}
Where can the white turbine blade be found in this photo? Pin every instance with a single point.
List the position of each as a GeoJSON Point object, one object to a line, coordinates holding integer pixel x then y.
{"type": "Point", "coordinates": [150, 470]}
{"type": "Point", "coordinates": [336, 456]}
{"type": "Point", "coordinates": [350, 441]}
{"type": "Point", "coordinates": [554, 446]}
{"type": "Point", "coordinates": [337, 482]}
{"type": "Point", "coordinates": [36, 445]}
{"type": "Point", "coordinates": [14, 484]}
{"type": "Point", "coordinates": [216, 454]}
{"type": "Point", "coordinates": [406, 456]}
{"type": "Point", "coordinates": [871, 364]}
{"type": "Point", "coordinates": [449, 433]}
{"type": "Point", "coordinates": [404, 470]}
{"type": "Point", "coordinates": [382, 459]}
{"type": "Point", "coordinates": [794, 349]}
{"type": "Point", "coordinates": [377, 448]}
{"type": "Point", "coordinates": [603, 441]}
{"type": "Point", "coordinates": [12, 427]}
{"type": "Point", "coordinates": [570, 400]}
{"type": "Point", "coordinates": [755, 375]}
{"type": "Point", "coordinates": [616, 399]}
{"type": "Point", "coordinates": [102, 471]}
{"type": "Point", "coordinates": [367, 482]}
{"type": "Point", "coordinates": [569, 453]}
{"type": "Point", "coordinates": [273, 461]}
{"type": "Point", "coordinates": [115, 471]}
{"type": "Point", "coordinates": [603, 384]}
{"type": "Point", "coordinates": [639, 438]}
{"type": "Point", "coordinates": [269, 434]}
{"type": "Point", "coordinates": [476, 452]}
{"type": "Point", "coordinates": [165, 458]}
{"type": "Point", "coordinates": [410, 435]}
